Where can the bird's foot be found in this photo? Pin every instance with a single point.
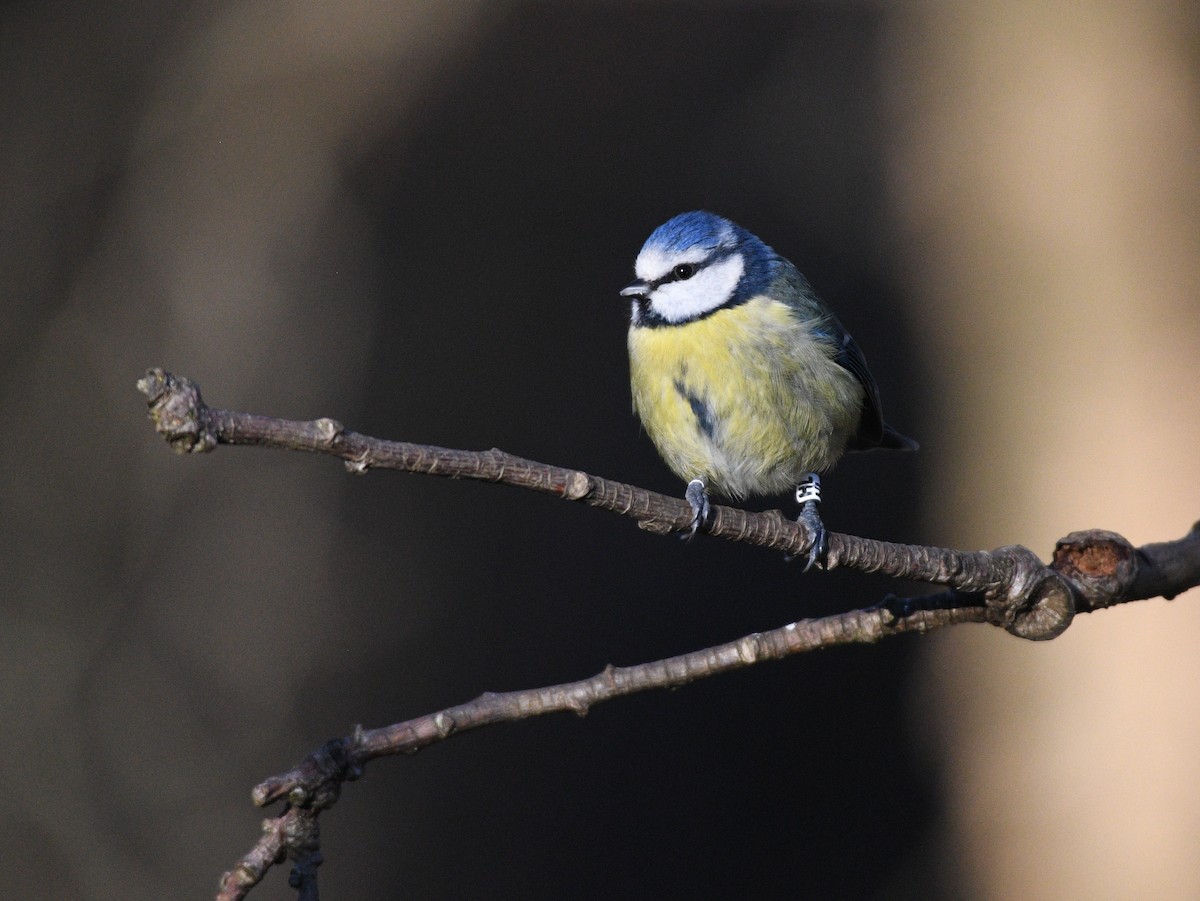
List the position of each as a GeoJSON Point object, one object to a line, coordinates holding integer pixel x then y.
{"type": "Point", "coordinates": [702, 514]}
{"type": "Point", "coordinates": [808, 496]}
{"type": "Point", "coordinates": [818, 549]}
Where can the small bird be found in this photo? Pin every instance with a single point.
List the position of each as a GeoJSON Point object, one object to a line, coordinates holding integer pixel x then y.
{"type": "Point", "coordinates": [744, 379]}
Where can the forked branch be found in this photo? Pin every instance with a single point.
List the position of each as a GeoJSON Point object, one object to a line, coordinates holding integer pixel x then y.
{"type": "Point", "coordinates": [1009, 587]}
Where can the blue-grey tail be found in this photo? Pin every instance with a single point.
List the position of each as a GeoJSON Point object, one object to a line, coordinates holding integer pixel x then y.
{"type": "Point", "coordinates": [882, 436]}
{"type": "Point", "coordinates": [893, 440]}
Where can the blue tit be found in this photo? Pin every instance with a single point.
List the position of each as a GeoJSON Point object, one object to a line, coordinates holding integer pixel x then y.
{"type": "Point", "coordinates": [745, 381]}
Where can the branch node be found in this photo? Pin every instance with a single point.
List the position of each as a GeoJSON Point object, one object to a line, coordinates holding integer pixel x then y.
{"type": "Point", "coordinates": [1100, 564]}
{"type": "Point", "coordinates": [328, 430]}
{"type": "Point", "coordinates": [445, 725]}
{"type": "Point", "coordinates": [657, 526]}
{"type": "Point", "coordinates": [178, 412]}
{"type": "Point", "coordinates": [579, 707]}
{"type": "Point", "coordinates": [359, 465]}
{"type": "Point", "coordinates": [302, 838]}
{"type": "Point", "coordinates": [892, 608]}
{"type": "Point", "coordinates": [578, 486]}
{"type": "Point", "coordinates": [1035, 602]}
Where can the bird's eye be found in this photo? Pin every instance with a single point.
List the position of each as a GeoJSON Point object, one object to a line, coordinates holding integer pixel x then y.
{"type": "Point", "coordinates": [684, 270]}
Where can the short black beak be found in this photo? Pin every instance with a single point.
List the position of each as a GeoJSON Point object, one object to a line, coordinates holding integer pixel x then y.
{"type": "Point", "coordinates": [635, 289]}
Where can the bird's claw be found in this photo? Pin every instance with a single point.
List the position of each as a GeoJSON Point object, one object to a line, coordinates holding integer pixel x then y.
{"type": "Point", "coordinates": [818, 547]}
{"type": "Point", "coordinates": [702, 513]}
{"type": "Point", "coordinates": [808, 496]}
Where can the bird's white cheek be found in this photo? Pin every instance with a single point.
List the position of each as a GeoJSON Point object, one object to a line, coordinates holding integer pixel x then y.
{"type": "Point", "coordinates": [702, 293]}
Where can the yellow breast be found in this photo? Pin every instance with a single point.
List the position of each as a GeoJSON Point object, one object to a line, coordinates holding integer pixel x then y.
{"type": "Point", "coordinates": [745, 399]}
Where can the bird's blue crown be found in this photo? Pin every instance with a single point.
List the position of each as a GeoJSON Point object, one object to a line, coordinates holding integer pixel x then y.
{"type": "Point", "coordinates": [718, 237]}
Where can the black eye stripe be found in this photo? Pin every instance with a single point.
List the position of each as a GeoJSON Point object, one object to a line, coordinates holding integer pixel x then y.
{"type": "Point", "coordinates": [676, 275]}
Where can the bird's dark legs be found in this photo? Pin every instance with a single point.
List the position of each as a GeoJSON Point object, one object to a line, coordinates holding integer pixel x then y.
{"type": "Point", "coordinates": [808, 496]}
{"type": "Point", "coordinates": [697, 498]}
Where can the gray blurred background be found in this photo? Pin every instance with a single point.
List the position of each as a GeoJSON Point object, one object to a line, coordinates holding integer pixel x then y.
{"type": "Point", "coordinates": [415, 218]}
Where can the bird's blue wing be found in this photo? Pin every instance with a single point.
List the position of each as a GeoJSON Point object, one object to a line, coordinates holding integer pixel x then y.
{"type": "Point", "coordinates": [870, 425]}
{"type": "Point", "coordinates": [872, 430]}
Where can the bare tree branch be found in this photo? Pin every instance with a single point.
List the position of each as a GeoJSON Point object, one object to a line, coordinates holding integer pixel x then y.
{"type": "Point", "coordinates": [1008, 587]}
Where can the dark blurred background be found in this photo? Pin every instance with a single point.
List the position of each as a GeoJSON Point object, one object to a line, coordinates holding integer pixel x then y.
{"type": "Point", "coordinates": [415, 218]}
